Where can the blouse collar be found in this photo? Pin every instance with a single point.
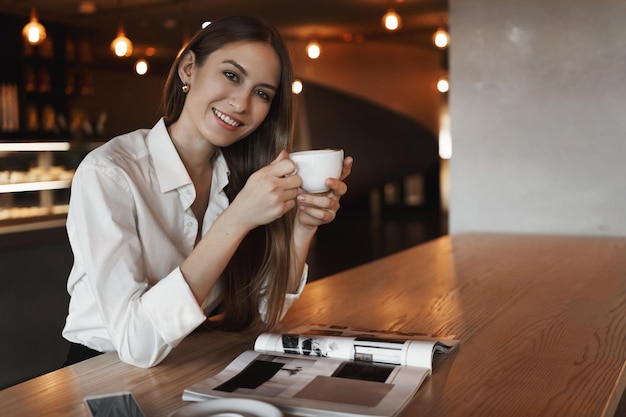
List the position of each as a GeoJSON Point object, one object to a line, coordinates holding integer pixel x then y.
{"type": "Point", "coordinates": [169, 168]}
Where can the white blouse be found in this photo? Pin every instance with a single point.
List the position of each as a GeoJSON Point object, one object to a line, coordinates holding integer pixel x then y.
{"type": "Point", "coordinates": [130, 226]}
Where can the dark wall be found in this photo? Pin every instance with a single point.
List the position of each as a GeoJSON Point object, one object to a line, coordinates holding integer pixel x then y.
{"type": "Point", "coordinates": [386, 146]}
{"type": "Point", "coordinates": [33, 303]}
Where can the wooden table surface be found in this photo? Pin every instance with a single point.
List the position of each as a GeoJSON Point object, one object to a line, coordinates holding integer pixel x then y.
{"type": "Point", "coordinates": [541, 319]}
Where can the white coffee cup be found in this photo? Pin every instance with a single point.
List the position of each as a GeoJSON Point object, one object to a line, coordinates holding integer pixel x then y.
{"type": "Point", "coordinates": [316, 166]}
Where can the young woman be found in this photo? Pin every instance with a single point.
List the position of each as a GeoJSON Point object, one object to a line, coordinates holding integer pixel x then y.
{"type": "Point", "coordinates": [201, 213]}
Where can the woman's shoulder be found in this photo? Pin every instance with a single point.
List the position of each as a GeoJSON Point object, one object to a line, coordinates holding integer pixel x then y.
{"type": "Point", "coordinates": [121, 159]}
{"type": "Point", "coordinates": [126, 157]}
{"type": "Point", "coordinates": [130, 145]}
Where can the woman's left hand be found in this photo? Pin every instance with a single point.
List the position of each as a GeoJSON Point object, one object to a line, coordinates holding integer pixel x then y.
{"type": "Point", "coordinates": [321, 208]}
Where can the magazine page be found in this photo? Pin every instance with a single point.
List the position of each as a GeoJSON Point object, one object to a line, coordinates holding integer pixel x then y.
{"type": "Point", "coordinates": [347, 343]}
{"type": "Point", "coordinates": [309, 385]}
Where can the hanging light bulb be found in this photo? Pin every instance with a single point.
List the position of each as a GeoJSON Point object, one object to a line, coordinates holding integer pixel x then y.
{"type": "Point", "coordinates": [443, 85]}
{"type": "Point", "coordinates": [296, 87]}
{"type": "Point", "coordinates": [392, 21]}
{"type": "Point", "coordinates": [313, 50]}
{"type": "Point", "coordinates": [441, 38]}
{"type": "Point", "coordinates": [141, 66]}
{"type": "Point", "coordinates": [34, 32]}
{"type": "Point", "coordinates": [121, 45]}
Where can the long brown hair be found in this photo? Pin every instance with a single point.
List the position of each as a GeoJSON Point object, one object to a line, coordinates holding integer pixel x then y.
{"type": "Point", "coordinates": [261, 263]}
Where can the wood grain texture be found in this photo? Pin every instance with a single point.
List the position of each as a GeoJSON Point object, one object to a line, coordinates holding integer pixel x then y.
{"type": "Point", "coordinates": [541, 319]}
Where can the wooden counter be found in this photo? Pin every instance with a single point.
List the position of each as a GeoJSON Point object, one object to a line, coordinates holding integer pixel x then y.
{"type": "Point", "coordinates": [542, 324]}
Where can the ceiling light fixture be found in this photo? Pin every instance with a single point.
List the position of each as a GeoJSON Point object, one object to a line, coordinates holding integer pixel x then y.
{"type": "Point", "coordinates": [441, 38]}
{"type": "Point", "coordinates": [121, 45]}
{"type": "Point", "coordinates": [443, 85]}
{"type": "Point", "coordinates": [392, 21]}
{"type": "Point", "coordinates": [141, 66]}
{"type": "Point", "coordinates": [296, 87]}
{"type": "Point", "coordinates": [34, 32]}
{"type": "Point", "coordinates": [313, 50]}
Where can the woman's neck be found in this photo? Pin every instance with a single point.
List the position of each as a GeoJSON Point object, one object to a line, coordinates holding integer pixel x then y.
{"type": "Point", "coordinates": [195, 151]}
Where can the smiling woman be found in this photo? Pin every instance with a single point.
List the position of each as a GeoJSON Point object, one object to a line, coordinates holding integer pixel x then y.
{"type": "Point", "coordinates": [199, 214]}
{"type": "Point", "coordinates": [227, 99]}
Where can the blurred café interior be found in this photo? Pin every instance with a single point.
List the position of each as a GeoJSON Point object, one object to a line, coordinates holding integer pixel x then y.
{"type": "Point", "coordinates": [69, 92]}
{"type": "Point", "coordinates": [531, 94]}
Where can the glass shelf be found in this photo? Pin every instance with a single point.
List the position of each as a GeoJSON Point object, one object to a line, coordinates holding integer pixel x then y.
{"type": "Point", "coordinates": [34, 146]}
{"type": "Point", "coordinates": [34, 192]}
{"type": "Point", "coordinates": [35, 186]}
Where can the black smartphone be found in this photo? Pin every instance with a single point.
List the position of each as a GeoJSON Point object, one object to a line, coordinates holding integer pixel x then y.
{"type": "Point", "coordinates": [120, 404]}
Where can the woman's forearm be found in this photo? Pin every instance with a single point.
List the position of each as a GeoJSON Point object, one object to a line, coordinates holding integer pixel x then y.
{"type": "Point", "coordinates": [207, 261]}
{"type": "Point", "coordinates": [302, 238]}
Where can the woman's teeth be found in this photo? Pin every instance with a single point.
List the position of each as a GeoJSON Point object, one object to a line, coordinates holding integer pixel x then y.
{"type": "Point", "coordinates": [225, 118]}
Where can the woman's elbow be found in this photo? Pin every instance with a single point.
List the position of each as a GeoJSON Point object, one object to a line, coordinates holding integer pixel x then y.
{"type": "Point", "coordinates": [144, 358]}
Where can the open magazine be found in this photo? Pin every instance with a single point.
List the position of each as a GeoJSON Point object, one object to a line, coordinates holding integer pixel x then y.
{"type": "Point", "coordinates": [328, 370]}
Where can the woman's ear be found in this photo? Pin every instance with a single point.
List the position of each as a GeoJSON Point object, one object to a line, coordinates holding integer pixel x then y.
{"type": "Point", "coordinates": [186, 66]}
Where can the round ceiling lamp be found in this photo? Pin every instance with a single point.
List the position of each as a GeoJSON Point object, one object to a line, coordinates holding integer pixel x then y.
{"type": "Point", "coordinates": [443, 85]}
{"type": "Point", "coordinates": [391, 21]}
{"type": "Point", "coordinates": [441, 38]}
{"type": "Point", "coordinates": [296, 87]}
{"type": "Point", "coordinates": [313, 50]}
{"type": "Point", "coordinates": [141, 66]}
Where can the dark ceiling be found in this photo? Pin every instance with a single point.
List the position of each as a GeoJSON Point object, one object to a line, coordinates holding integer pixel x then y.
{"type": "Point", "coordinates": [164, 24]}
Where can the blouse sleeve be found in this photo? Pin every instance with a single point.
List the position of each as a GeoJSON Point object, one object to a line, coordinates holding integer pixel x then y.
{"type": "Point", "coordinates": [143, 322]}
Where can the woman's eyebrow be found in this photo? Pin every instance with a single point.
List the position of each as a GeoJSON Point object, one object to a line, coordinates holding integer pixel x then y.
{"type": "Point", "coordinates": [235, 64]}
{"type": "Point", "coordinates": [244, 72]}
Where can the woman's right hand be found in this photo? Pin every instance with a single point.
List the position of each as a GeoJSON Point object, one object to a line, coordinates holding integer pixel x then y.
{"type": "Point", "coordinates": [269, 193]}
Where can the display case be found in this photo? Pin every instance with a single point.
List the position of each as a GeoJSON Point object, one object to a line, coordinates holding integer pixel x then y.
{"type": "Point", "coordinates": [35, 180]}
{"type": "Point", "coordinates": [44, 127]}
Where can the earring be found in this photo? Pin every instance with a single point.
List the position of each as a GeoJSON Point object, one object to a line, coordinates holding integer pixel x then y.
{"type": "Point", "coordinates": [185, 88]}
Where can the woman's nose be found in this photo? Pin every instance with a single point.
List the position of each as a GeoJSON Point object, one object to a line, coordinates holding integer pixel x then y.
{"type": "Point", "coordinates": [238, 102]}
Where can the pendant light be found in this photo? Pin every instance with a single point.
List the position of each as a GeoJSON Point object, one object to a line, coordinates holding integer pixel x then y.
{"type": "Point", "coordinates": [141, 66]}
{"type": "Point", "coordinates": [121, 45]}
{"type": "Point", "coordinates": [443, 85]}
{"type": "Point", "coordinates": [391, 21]}
{"type": "Point", "coordinates": [441, 38]}
{"type": "Point", "coordinates": [313, 50]}
{"type": "Point", "coordinates": [296, 86]}
{"type": "Point", "coordinates": [34, 32]}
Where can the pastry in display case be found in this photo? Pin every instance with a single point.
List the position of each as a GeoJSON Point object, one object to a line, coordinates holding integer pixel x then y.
{"type": "Point", "coordinates": [35, 178]}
